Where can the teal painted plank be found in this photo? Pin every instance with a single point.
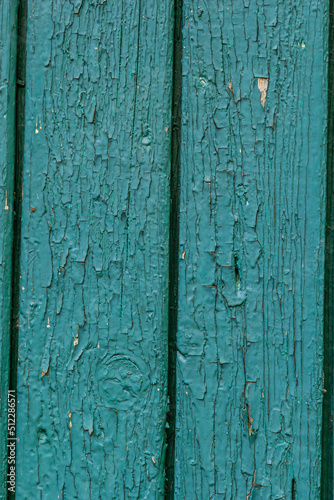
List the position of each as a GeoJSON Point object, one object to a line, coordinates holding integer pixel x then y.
{"type": "Point", "coordinates": [250, 327]}
{"type": "Point", "coordinates": [8, 11]}
{"type": "Point", "coordinates": [92, 366]}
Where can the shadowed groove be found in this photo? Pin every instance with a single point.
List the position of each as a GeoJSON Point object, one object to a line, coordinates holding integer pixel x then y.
{"type": "Point", "coordinates": [18, 169]}
{"type": "Point", "coordinates": [327, 462]}
{"type": "Point", "coordinates": [174, 246]}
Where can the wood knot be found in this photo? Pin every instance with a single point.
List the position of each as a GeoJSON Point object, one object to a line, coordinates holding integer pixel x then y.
{"type": "Point", "coordinates": [121, 380]}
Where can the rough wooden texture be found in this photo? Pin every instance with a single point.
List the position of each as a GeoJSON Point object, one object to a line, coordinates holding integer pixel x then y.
{"type": "Point", "coordinates": [8, 10]}
{"type": "Point", "coordinates": [253, 165]}
{"type": "Point", "coordinates": [92, 366]}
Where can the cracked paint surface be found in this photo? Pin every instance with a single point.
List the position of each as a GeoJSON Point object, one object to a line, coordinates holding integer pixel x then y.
{"type": "Point", "coordinates": [249, 340]}
{"type": "Point", "coordinates": [94, 270]}
{"type": "Point", "coordinates": [7, 145]}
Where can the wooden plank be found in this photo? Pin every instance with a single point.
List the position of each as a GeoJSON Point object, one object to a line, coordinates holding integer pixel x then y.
{"type": "Point", "coordinates": [250, 328]}
{"type": "Point", "coordinates": [8, 12]}
{"type": "Point", "coordinates": [94, 268]}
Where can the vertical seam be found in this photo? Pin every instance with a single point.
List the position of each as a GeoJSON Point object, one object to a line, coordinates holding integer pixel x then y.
{"type": "Point", "coordinates": [18, 169]}
{"type": "Point", "coordinates": [328, 372]}
{"type": "Point", "coordinates": [174, 248]}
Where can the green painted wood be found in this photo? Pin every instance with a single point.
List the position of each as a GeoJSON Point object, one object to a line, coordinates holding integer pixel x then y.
{"type": "Point", "coordinates": [8, 11]}
{"type": "Point", "coordinates": [251, 255]}
{"type": "Point", "coordinates": [92, 366]}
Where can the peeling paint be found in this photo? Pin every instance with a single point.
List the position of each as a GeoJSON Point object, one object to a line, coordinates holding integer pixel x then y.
{"type": "Point", "coordinates": [95, 249]}
{"type": "Point", "coordinates": [262, 84]}
{"type": "Point", "coordinates": [8, 54]}
{"type": "Point", "coordinates": [249, 395]}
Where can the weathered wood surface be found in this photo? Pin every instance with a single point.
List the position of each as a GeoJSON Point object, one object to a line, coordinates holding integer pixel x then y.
{"type": "Point", "coordinates": [92, 367]}
{"type": "Point", "coordinates": [8, 10]}
{"type": "Point", "coordinates": [253, 163]}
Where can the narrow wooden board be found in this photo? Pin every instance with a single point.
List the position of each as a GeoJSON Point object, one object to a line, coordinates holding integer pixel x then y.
{"type": "Point", "coordinates": [92, 366]}
{"type": "Point", "coordinates": [250, 328]}
{"type": "Point", "coordinates": [8, 11]}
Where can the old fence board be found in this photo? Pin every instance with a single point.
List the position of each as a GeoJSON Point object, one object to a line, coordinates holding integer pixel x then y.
{"type": "Point", "coordinates": [92, 366]}
{"type": "Point", "coordinates": [8, 10]}
{"type": "Point", "coordinates": [253, 162]}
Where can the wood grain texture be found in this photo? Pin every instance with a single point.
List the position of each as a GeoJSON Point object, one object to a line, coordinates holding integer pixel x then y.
{"type": "Point", "coordinates": [253, 163]}
{"type": "Point", "coordinates": [8, 11]}
{"type": "Point", "coordinates": [92, 366]}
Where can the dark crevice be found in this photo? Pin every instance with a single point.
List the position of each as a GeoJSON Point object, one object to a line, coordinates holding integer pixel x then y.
{"type": "Point", "coordinates": [236, 272]}
{"type": "Point", "coordinates": [174, 247]}
{"type": "Point", "coordinates": [327, 464]}
{"type": "Point", "coordinates": [18, 169]}
{"type": "Point", "coordinates": [293, 489]}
